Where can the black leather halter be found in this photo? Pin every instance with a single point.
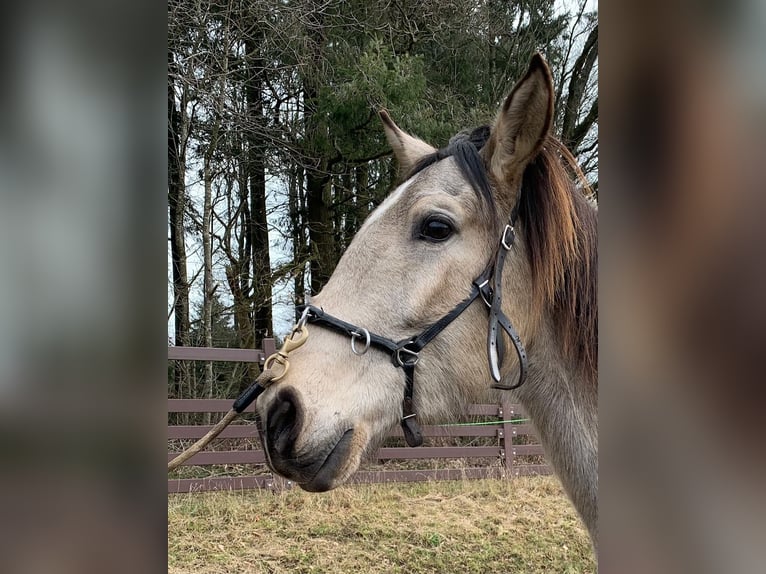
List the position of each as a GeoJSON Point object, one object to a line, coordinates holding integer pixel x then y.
{"type": "Point", "coordinates": [405, 353]}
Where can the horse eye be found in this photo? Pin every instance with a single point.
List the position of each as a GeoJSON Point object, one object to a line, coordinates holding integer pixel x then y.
{"type": "Point", "coordinates": [436, 229]}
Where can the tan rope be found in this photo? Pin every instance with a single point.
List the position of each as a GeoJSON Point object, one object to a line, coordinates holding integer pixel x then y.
{"type": "Point", "coordinates": [296, 338]}
{"type": "Point", "coordinates": [264, 379]}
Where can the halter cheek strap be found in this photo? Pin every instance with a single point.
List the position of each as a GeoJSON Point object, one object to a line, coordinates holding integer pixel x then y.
{"type": "Point", "coordinates": [493, 297]}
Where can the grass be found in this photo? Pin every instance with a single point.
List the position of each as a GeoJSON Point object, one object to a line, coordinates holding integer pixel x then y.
{"type": "Point", "coordinates": [486, 526]}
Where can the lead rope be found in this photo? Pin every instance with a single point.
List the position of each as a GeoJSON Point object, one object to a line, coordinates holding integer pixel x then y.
{"type": "Point", "coordinates": [296, 338]}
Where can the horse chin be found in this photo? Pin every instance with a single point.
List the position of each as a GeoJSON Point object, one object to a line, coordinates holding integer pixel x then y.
{"type": "Point", "coordinates": [340, 464]}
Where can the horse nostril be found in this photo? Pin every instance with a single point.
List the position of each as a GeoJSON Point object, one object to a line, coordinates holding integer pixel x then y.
{"type": "Point", "coordinates": [283, 422]}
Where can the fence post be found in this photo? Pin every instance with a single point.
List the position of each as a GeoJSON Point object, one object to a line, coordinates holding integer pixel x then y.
{"type": "Point", "coordinates": [506, 414]}
{"type": "Point", "coordinates": [269, 348]}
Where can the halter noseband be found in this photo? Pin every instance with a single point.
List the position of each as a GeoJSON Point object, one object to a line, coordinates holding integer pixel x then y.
{"type": "Point", "coordinates": [405, 353]}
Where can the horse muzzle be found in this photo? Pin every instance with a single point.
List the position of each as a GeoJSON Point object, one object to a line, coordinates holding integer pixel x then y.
{"type": "Point", "coordinates": [318, 468]}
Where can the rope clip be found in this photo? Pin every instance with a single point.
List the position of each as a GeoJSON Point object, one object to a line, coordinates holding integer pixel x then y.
{"type": "Point", "coordinates": [294, 340]}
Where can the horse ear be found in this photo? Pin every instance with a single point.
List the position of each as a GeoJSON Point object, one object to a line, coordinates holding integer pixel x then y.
{"type": "Point", "coordinates": [522, 123]}
{"type": "Point", "coordinates": [407, 149]}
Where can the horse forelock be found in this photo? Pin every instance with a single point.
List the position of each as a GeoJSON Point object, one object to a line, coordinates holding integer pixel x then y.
{"type": "Point", "coordinates": [464, 148]}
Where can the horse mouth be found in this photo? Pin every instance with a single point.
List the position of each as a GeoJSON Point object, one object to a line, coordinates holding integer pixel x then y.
{"type": "Point", "coordinates": [333, 466]}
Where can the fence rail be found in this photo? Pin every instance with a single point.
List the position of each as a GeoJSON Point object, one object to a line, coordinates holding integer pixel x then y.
{"type": "Point", "coordinates": [240, 437]}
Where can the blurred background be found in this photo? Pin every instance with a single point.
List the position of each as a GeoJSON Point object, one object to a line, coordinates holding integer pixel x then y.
{"type": "Point", "coordinates": [681, 287]}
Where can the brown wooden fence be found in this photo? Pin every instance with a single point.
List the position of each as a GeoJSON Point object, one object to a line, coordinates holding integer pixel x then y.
{"type": "Point", "coordinates": [497, 441]}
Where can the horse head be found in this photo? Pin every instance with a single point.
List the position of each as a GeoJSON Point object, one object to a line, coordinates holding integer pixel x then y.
{"type": "Point", "coordinates": [414, 259]}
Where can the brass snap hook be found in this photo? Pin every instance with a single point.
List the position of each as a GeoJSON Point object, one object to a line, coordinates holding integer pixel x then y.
{"type": "Point", "coordinates": [294, 340]}
{"type": "Point", "coordinates": [280, 359]}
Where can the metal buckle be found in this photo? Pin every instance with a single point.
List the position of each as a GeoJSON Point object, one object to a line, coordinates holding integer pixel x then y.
{"type": "Point", "coordinates": [481, 292]}
{"type": "Point", "coordinates": [413, 359]}
{"type": "Point", "coordinates": [357, 335]}
{"type": "Point", "coordinates": [505, 241]}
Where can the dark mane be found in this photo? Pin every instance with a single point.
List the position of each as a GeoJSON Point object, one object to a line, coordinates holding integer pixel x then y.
{"type": "Point", "coordinates": [562, 239]}
{"type": "Point", "coordinates": [561, 229]}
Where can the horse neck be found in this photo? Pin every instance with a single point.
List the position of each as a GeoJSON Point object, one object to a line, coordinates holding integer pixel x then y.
{"type": "Point", "coordinates": [563, 406]}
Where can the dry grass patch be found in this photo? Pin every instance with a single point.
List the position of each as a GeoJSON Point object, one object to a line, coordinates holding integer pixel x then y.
{"type": "Point", "coordinates": [520, 525]}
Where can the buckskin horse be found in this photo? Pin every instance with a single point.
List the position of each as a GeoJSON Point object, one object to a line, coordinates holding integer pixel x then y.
{"type": "Point", "coordinates": [488, 242]}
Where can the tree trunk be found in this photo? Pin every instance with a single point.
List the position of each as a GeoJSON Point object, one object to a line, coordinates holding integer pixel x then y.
{"type": "Point", "coordinates": [259, 231]}
{"type": "Point", "coordinates": [207, 218]}
{"type": "Point", "coordinates": [572, 132]}
{"type": "Point", "coordinates": [207, 255]}
{"type": "Point", "coordinates": [296, 206]}
{"type": "Point", "coordinates": [317, 179]}
{"type": "Point", "coordinates": [238, 269]}
{"type": "Point", "coordinates": [177, 129]}
{"type": "Point", "coordinates": [320, 228]}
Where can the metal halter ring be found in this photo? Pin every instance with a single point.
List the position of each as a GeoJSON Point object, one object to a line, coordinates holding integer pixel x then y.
{"type": "Point", "coordinates": [412, 359]}
{"type": "Point", "coordinates": [357, 335]}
